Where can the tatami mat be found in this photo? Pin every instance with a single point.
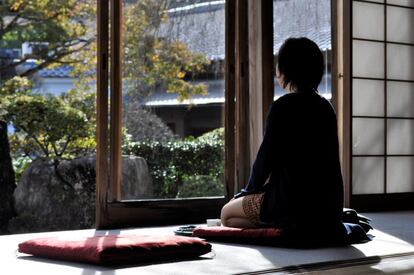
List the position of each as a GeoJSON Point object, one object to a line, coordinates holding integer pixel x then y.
{"type": "Point", "coordinates": [393, 235]}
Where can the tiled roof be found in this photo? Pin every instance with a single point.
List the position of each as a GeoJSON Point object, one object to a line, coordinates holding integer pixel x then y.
{"type": "Point", "coordinates": [57, 72]}
{"type": "Point", "coordinates": [201, 26]}
{"type": "Point", "coordinates": [9, 53]}
{"type": "Point", "coordinates": [296, 18]}
{"type": "Point", "coordinates": [63, 71]}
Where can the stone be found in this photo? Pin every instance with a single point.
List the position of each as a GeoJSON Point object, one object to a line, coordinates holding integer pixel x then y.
{"type": "Point", "coordinates": [136, 179]}
{"type": "Point", "coordinates": [60, 195]}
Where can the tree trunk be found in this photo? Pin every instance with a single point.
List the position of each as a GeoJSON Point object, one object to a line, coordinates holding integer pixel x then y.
{"type": "Point", "coordinates": [7, 180]}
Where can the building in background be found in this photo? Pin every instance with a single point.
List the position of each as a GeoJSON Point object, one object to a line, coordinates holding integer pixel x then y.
{"type": "Point", "coordinates": [201, 27]}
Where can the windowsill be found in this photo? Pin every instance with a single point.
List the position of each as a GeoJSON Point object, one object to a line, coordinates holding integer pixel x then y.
{"type": "Point", "coordinates": [393, 236]}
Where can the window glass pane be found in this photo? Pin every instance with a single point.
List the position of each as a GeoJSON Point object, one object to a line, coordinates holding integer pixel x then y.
{"type": "Point", "coordinates": [367, 136]}
{"type": "Point", "coordinates": [409, 3]}
{"type": "Point", "coordinates": [400, 99]}
{"type": "Point", "coordinates": [368, 21]}
{"type": "Point", "coordinates": [400, 136]}
{"type": "Point", "coordinates": [367, 175]}
{"type": "Point", "coordinates": [400, 174]}
{"type": "Point", "coordinates": [47, 99]}
{"type": "Point", "coordinates": [368, 59]}
{"type": "Point", "coordinates": [400, 63]}
{"type": "Point", "coordinates": [173, 97]}
{"type": "Point", "coordinates": [367, 97]}
{"type": "Point", "coordinates": [400, 22]}
{"type": "Point", "coordinates": [305, 18]}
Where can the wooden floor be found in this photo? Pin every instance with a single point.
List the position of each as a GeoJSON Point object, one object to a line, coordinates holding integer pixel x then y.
{"type": "Point", "coordinates": [390, 252]}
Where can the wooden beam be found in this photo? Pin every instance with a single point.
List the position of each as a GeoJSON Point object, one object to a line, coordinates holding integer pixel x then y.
{"type": "Point", "coordinates": [163, 212]}
{"type": "Point", "coordinates": [230, 98]}
{"type": "Point", "coordinates": [102, 114]}
{"type": "Point", "coordinates": [116, 101]}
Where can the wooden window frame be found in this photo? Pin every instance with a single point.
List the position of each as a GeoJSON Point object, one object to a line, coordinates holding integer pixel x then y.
{"type": "Point", "coordinates": [111, 211]}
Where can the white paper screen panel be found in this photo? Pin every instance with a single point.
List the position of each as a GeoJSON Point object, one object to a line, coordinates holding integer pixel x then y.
{"type": "Point", "coordinates": [400, 22]}
{"type": "Point", "coordinates": [368, 59]}
{"type": "Point", "coordinates": [400, 62]}
{"type": "Point", "coordinates": [400, 99]}
{"type": "Point", "coordinates": [368, 175]}
{"type": "Point", "coordinates": [375, 1]}
{"type": "Point", "coordinates": [408, 3]}
{"type": "Point", "coordinates": [368, 20]}
{"type": "Point", "coordinates": [368, 97]}
{"type": "Point", "coordinates": [400, 174]}
{"type": "Point", "coordinates": [400, 136]}
{"type": "Point", "coordinates": [368, 136]}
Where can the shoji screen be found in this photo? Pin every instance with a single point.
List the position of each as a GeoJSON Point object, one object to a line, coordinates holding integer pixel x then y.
{"type": "Point", "coordinates": [382, 110]}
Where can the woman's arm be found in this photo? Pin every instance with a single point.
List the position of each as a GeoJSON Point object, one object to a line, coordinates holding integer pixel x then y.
{"type": "Point", "coordinates": [265, 157]}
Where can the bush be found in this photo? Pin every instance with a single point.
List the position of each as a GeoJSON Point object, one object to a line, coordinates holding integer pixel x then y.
{"type": "Point", "coordinates": [201, 186]}
{"type": "Point", "coordinates": [143, 125]}
{"type": "Point", "coordinates": [197, 164]}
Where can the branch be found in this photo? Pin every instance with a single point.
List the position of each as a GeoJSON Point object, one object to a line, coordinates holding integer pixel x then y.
{"type": "Point", "coordinates": [9, 26]}
{"type": "Point", "coordinates": [13, 65]}
{"type": "Point", "coordinates": [68, 140]}
{"type": "Point", "coordinates": [45, 151]}
{"type": "Point", "coordinates": [69, 62]}
{"type": "Point", "coordinates": [52, 60]}
{"type": "Point", "coordinates": [55, 149]}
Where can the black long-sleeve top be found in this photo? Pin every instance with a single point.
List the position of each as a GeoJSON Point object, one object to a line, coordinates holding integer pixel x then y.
{"type": "Point", "coordinates": [299, 156]}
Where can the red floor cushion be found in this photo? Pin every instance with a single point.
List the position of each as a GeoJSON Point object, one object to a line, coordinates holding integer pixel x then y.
{"type": "Point", "coordinates": [253, 235]}
{"type": "Point", "coordinates": [312, 235]}
{"type": "Point", "coordinates": [115, 250]}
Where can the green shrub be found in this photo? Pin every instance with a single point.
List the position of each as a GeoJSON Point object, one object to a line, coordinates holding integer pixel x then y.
{"type": "Point", "coordinates": [190, 162]}
{"type": "Point", "coordinates": [201, 186]}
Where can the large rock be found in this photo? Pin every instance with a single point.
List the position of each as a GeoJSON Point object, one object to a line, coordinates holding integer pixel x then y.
{"type": "Point", "coordinates": [136, 179]}
{"type": "Point", "coordinates": [55, 195]}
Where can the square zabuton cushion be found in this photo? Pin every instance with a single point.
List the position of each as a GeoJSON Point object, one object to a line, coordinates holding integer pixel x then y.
{"type": "Point", "coordinates": [115, 250]}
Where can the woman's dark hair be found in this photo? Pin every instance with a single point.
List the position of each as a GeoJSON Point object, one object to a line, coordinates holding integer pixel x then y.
{"type": "Point", "coordinates": [301, 62]}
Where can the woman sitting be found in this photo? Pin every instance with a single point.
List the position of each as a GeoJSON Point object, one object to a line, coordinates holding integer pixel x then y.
{"type": "Point", "coordinates": [296, 179]}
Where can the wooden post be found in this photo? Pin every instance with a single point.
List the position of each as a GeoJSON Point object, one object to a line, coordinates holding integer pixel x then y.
{"type": "Point", "coordinates": [230, 98]}
{"type": "Point", "coordinates": [102, 115]}
{"type": "Point", "coordinates": [268, 65]}
{"type": "Point", "coordinates": [260, 69]}
{"type": "Point", "coordinates": [341, 84]}
{"type": "Point", "coordinates": [116, 100]}
{"type": "Point", "coordinates": [242, 158]}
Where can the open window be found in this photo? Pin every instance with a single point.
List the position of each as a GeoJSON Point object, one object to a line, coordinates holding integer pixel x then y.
{"type": "Point", "coordinates": [247, 93]}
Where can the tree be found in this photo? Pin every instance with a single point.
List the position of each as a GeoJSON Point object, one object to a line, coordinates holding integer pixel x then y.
{"type": "Point", "coordinates": [151, 59]}
{"type": "Point", "coordinates": [142, 125]}
{"type": "Point", "coordinates": [47, 126]}
{"type": "Point", "coordinates": [60, 27]}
